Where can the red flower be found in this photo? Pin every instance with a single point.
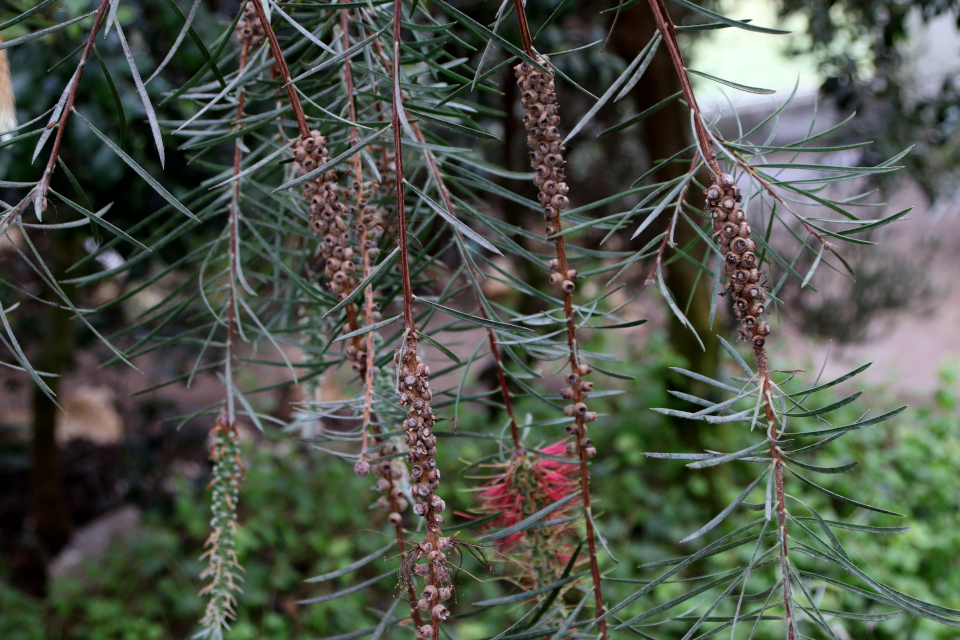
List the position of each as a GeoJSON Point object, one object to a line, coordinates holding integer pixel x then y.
{"type": "Point", "coordinates": [524, 485]}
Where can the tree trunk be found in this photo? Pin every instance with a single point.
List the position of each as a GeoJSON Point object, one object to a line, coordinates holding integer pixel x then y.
{"type": "Point", "coordinates": [665, 133]}
{"type": "Point", "coordinates": [48, 506]}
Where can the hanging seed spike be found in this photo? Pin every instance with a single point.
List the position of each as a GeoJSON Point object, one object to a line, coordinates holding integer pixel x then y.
{"type": "Point", "coordinates": [541, 120]}
{"type": "Point", "coordinates": [734, 236]}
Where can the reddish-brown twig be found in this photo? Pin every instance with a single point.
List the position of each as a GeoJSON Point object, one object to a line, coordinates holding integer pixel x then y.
{"type": "Point", "coordinates": [738, 267]}
{"type": "Point", "coordinates": [284, 71]}
{"type": "Point", "coordinates": [669, 34]}
{"type": "Point", "coordinates": [525, 36]}
{"type": "Point", "coordinates": [40, 194]}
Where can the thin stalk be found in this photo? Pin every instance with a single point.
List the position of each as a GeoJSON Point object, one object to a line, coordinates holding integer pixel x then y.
{"type": "Point", "coordinates": [369, 422]}
{"type": "Point", "coordinates": [704, 140]}
{"type": "Point", "coordinates": [414, 391]}
{"type": "Point", "coordinates": [398, 151]}
{"type": "Point", "coordinates": [773, 434]}
{"type": "Point", "coordinates": [448, 201]}
{"type": "Point", "coordinates": [578, 393]}
{"type": "Point", "coordinates": [669, 33]}
{"type": "Point", "coordinates": [284, 71]}
{"type": "Point", "coordinates": [228, 467]}
{"type": "Point", "coordinates": [40, 195]}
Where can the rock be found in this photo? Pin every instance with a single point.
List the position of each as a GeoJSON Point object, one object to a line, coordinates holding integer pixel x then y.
{"type": "Point", "coordinates": [96, 540]}
{"type": "Point", "coordinates": [89, 413]}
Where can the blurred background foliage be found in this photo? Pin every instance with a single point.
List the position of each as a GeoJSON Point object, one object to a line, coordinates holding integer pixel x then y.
{"type": "Point", "coordinates": [292, 528]}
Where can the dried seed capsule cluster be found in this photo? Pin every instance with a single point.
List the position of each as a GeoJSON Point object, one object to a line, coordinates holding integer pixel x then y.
{"type": "Point", "coordinates": [327, 214]}
{"type": "Point", "coordinates": [249, 28]}
{"type": "Point", "coordinates": [368, 219]}
{"type": "Point", "coordinates": [577, 390]}
{"type": "Point", "coordinates": [732, 231]}
{"type": "Point", "coordinates": [389, 472]}
{"type": "Point", "coordinates": [364, 224]}
{"type": "Point", "coordinates": [414, 390]}
{"type": "Point", "coordinates": [542, 121]}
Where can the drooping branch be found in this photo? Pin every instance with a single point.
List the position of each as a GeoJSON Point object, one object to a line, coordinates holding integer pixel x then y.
{"type": "Point", "coordinates": [368, 223]}
{"type": "Point", "coordinates": [735, 238]}
{"type": "Point", "coordinates": [542, 120]}
{"type": "Point", "coordinates": [448, 201]}
{"type": "Point", "coordinates": [222, 561]}
{"type": "Point", "coordinates": [413, 387]}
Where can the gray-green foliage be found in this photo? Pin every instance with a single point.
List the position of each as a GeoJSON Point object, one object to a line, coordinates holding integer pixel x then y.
{"type": "Point", "coordinates": [249, 273]}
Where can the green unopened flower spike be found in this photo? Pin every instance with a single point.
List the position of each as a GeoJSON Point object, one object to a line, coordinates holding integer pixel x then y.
{"type": "Point", "coordinates": [223, 569]}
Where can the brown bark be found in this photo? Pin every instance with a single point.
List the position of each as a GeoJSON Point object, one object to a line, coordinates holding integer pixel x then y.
{"type": "Point", "coordinates": [47, 503]}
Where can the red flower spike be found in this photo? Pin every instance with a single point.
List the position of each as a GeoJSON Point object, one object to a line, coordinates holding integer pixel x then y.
{"type": "Point", "coordinates": [524, 485]}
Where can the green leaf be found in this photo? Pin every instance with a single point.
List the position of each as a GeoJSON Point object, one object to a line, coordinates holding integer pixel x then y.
{"type": "Point", "coordinates": [117, 101]}
{"type": "Point", "coordinates": [40, 6]}
{"type": "Point", "coordinates": [727, 511]}
{"type": "Point", "coordinates": [144, 98]}
{"type": "Point", "coordinates": [367, 329]}
{"type": "Point", "coordinates": [453, 126]}
{"type": "Point", "coordinates": [850, 427]}
{"type": "Point", "coordinates": [526, 595]}
{"type": "Point", "coordinates": [729, 21]}
{"type": "Point", "coordinates": [809, 467]}
{"type": "Point", "coordinates": [837, 496]}
{"type": "Point", "coordinates": [524, 524]}
{"type": "Point", "coordinates": [857, 527]}
{"type": "Point", "coordinates": [44, 32]}
{"type": "Point", "coordinates": [731, 84]}
{"type": "Point", "coordinates": [197, 40]}
{"type": "Point", "coordinates": [442, 349]}
{"type": "Point", "coordinates": [166, 195]}
{"type": "Point", "coordinates": [350, 568]}
{"type": "Point", "coordinates": [827, 409]}
{"type": "Point", "coordinates": [643, 115]}
{"type": "Point", "coordinates": [453, 221]}
{"type": "Point", "coordinates": [622, 78]}
{"type": "Point", "coordinates": [345, 592]}
{"type": "Point", "coordinates": [483, 322]}
{"type": "Point", "coordinates": [651, 50]}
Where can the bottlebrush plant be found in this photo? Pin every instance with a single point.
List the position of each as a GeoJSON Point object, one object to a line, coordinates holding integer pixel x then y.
{"type": "Point", "coordinates": [351, 227]}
